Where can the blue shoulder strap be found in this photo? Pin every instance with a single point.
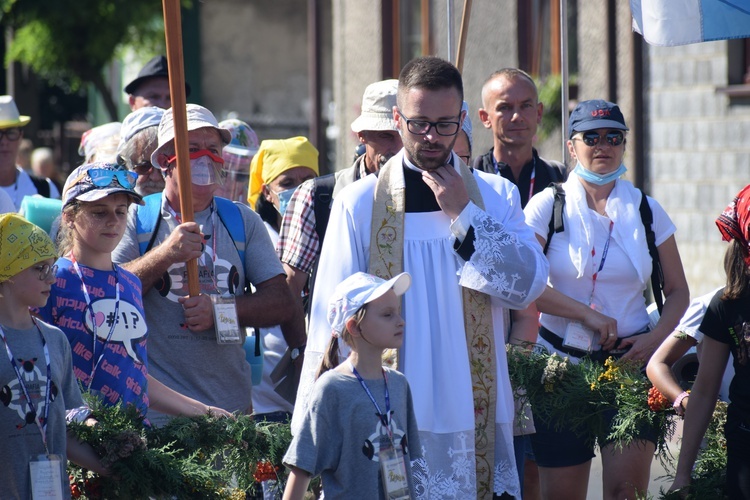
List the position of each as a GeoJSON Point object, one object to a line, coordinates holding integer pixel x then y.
{"type": "Point", "coordinates": [149, 215]}
{"type": "Point", "coordinates": [230, 216]}
{"type": "Point", "coordinates": [147, 220]}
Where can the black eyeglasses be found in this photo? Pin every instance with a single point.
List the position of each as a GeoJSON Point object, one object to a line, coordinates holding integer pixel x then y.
{"type": "Point", "coordinates": [423, 127]}
{"type": "Point", "coordinates": [12, 134]}
{"type": "Point", "coordinates": [45, 271]}
{"type": "Point", "coordinates": [592, 138]}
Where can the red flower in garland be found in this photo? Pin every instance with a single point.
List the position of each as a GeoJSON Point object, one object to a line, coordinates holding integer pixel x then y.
{"type": "Point", "coordinates": [657, 401]}
{"type": "Point", "coordinates": [265, 471]}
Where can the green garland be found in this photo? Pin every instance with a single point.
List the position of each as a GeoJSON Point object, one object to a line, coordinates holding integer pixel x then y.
{"type": "Point", "coordinates": [197, 457]}
{"type": "Point", "coordinates": [579, 396]}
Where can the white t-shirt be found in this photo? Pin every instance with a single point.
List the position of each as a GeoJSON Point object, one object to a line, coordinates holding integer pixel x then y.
{"type": "Point", "coordinates": [24, 186]}
{"type": "Point", "coordinates": [618, 292]}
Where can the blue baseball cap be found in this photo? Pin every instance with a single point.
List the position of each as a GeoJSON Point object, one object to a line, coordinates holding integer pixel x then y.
{"type": "Point", "coordinates": [594, 114]}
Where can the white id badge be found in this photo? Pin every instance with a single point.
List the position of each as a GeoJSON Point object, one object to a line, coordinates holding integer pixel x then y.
{"type": "Point", "coordinates": [226, 322]}
{"type": "Point", "coordinates": [46, 480]}
{"type": "Point", "coordinates": [393, 472]}
{"type": "Point", "coordinates": [578, 337]}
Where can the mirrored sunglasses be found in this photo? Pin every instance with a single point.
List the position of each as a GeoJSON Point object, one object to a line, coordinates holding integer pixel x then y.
{"type": "Point", "coordinates": [102, 177]}
{"type": "Point", "coordinates": [614, 138]}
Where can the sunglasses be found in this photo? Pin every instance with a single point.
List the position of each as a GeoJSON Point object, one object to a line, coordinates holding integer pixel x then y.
{"type": "Point", "coordinates": [592, 138]}
{"type": "Point", "coordinates": [102, 177]}
{"type": "Point", "coordinates": [12, 134]}
{"type": "Point", "coordinates": [143, 168]}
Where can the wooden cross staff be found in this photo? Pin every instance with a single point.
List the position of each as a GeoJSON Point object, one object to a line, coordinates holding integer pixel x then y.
{"type": "Point", "coordinates": [462, 35]}
{"type": "Point", "coordinates": [173, 34]}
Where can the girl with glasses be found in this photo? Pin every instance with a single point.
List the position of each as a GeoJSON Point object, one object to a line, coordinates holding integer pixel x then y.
{"type": "Point", "coordinates": [98, 304]}
{"type": "Point", "coordinates": [36, 374]}
{"type": "Point", "coordinates": [594, 305]}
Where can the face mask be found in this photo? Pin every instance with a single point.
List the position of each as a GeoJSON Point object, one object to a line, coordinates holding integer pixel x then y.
{"type": "Point", "coordinates": [599, 180]}
{"type": "Point", "coordinates": [284, 197]}
{"type": "Point", "coordinates": [204, 170]}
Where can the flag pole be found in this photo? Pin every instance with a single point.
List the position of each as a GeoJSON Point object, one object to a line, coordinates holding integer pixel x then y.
{"type": "Point", "coordinates": [564, 77]}
{"type": "Point", "coordinates": [462, 35]}
{"type": "Point", "coordinates": [173, 35]}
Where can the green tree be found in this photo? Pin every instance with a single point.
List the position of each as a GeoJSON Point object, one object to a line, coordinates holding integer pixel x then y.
{"type": "Point", "coordinates": [73, 40]}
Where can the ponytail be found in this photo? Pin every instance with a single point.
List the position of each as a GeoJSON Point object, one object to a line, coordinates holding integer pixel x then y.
{"type": "Point", "coordinates": [736, 269]}
{"type": "Point", "coordinates": [330, 358]}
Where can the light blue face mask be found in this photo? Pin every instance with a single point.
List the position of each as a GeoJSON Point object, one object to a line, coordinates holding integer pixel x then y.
{"type": "Point", "coordinates": [599, 180]}
{"type": "Point", "coordinates": [284, 197]}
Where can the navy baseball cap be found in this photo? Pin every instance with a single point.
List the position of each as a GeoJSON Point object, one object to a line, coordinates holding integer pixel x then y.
{"type": "Point", "coordinates": [594, 114]}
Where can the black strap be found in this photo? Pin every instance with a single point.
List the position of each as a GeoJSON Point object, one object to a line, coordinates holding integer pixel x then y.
{"type": "Point", "coordinates": [556, 223]}
{"type": "Point", "coordinates": [41, 185]}
{"type": "Point", "coordinates": [657, 273]}
{"type": "Point", "coordinates": [322, 198]}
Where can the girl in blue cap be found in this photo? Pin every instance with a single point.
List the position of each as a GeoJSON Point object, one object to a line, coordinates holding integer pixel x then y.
{"type": "Point", "coordinates": [359, 432]}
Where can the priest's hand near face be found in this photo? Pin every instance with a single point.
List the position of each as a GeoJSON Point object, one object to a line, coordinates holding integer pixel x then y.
{"type": "Point", "coordinates": [449, 189]}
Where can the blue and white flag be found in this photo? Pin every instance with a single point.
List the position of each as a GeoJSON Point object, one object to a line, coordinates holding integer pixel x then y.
{"type": "Point", "coordinates": [680, 22]}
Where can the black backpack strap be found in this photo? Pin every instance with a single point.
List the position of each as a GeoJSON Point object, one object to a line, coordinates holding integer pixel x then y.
{"type": "Point", "coordinates": [41, 185]}
{"type": "Point", "coordinates": [322, 197]}
{"type": "Point", "coordinates": [556, 224]}
{"type": "Point", "coordinates": [657, 274]}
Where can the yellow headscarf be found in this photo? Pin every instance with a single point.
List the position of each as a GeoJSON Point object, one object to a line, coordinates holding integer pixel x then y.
{"type": "Point", "coordinates": [22, 244]}
{"type": "Point", "coordinates": [275, 157]}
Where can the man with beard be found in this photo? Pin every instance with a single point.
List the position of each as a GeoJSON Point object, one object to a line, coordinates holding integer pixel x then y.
{"type": "Point", "coordinates": [470, 255]}
{"type": "Point", "coordinates": [306, 217]}
{"type": "Point", "coordinates": [138, 139]}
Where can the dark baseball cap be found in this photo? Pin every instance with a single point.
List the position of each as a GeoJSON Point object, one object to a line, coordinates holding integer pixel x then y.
{"type": "Point", "coordinates": [594, 114]}
{"type": "Point", "coordinates": [156, 67]}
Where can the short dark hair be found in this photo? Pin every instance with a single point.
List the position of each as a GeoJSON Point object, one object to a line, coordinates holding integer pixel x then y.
{"type": "Point", "coordinates": [510, 74]}
{"type": "Point", "coordinates": [430, 73]}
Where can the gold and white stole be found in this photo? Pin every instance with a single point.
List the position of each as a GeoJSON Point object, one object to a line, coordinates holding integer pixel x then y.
{"type": "Point", "coordinates": [387, 260]}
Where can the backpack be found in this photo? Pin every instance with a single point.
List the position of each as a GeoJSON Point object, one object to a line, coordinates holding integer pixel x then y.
{"type": "Point", "coordinates": [148, 217]}
{"type": "Point", "coordinates": [322, 198]}
{"type": "Point", "coordinates": [647, 219]}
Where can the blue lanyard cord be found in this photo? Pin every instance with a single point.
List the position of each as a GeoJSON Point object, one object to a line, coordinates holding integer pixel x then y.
{"type": "Point", "coordinates": [90, 308]}
{"type": "Point", "coordinates": [605, 251]}
{"type": "Point", "coordinates": [48, 388]}
{"type": "Point", "coordinates": [384, 417]}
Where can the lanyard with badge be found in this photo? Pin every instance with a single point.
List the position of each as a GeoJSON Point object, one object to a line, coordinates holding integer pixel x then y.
{"type": "Point", "coordinates": [532, 179]}
{"type": "Point", "coordinates": [46, 478]}
{"type": "Point", "coordinates": [391, 457]}
{"type": "Point", "coordinates": [226, 321]}
{"type": "Point", "coordinates": [578, 336]}
{"type": "Point", "coordinates": [95, 362]}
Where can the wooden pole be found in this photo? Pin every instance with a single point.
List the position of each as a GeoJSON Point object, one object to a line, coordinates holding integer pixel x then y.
{"type": "Point", "coordinates": [463, 34]}
{"type": "Point", "coordinates": [173, 34]}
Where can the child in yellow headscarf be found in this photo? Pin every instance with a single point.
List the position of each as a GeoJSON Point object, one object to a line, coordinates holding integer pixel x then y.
{"type": "Point", "coordinates": [277, 169]}
{"type": "Point", "coordinates": [37, 383]}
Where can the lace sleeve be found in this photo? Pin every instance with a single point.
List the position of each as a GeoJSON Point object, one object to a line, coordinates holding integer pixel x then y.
{"type": "Point", "coordinates": [503, 264]}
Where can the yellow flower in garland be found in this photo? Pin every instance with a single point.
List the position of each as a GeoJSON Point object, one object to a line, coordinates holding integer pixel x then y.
{"type": "Point", "coordinates": [611, 373]}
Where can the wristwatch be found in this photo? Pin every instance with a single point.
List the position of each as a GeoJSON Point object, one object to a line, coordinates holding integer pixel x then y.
{"type": "Point", "coordinates": [297, 352]}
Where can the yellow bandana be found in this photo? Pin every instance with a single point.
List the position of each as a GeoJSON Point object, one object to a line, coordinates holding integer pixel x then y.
{"type": "Point", "coordinates": [276, 157]}
{"type": "Point", "coordinates": [22, 244]}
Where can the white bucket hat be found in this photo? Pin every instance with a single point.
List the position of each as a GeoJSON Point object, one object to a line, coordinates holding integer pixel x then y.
{"type": "Point", "coordinates": [356, 291]}
{"type": "Point", "coordinates": [9, 116]}
{"type": "Point", "coordinates": [197, 117]}
{"type": "Point", "coordinates": [377, 107]}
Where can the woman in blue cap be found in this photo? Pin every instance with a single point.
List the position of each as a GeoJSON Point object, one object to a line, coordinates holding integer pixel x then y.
{"type": "Point", "coordinates": [594, 305]}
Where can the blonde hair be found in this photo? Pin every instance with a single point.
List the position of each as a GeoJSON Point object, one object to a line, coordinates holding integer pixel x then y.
{"type": "Point", "coordinates": [331, 357]}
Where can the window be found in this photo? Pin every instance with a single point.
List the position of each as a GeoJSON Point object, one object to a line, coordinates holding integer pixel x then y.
{"type": "Point", "coordinates": [406, 33]}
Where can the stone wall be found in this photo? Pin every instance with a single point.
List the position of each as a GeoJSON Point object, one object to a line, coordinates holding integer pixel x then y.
{"type": "Point", "coordinates": [697, 157]}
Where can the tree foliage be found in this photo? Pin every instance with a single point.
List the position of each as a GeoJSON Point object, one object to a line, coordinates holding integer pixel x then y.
{"type": "Point", "coordinates": [73, 40]}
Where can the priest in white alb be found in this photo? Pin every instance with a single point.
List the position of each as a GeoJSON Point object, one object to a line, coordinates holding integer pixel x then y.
{"type": "Point", "coordinates": [471, 258]}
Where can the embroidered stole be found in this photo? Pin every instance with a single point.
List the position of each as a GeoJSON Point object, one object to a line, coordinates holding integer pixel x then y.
{"type": "Point", "coordinates": [387, 260]}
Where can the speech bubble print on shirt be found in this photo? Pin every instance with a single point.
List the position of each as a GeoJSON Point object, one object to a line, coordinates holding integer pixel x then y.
{"type": "Point", "coordinates": [130, 326]}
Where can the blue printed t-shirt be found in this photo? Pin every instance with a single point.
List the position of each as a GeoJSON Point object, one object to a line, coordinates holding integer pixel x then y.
{"type": "Point", "coordinates": [121, 374]}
